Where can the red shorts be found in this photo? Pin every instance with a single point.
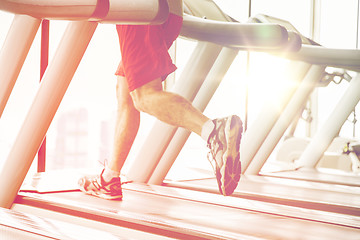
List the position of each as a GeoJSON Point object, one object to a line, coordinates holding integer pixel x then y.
{"type": "Point", "coordinates": [144, 51]}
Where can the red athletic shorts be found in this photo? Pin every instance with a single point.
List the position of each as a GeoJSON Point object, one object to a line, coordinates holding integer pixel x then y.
{"type": "Point", "coordinates": [144, 51]}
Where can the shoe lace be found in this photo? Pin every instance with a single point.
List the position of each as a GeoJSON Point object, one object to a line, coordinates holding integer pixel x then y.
{"type": "Point", "coordinates": [211, 156]}
{"type": "Point", "coordinates": [111, 186]}
{"type": "Point", "coordinates": [215, 144]}
{"type": "Point", "coordinates": [212, 161]}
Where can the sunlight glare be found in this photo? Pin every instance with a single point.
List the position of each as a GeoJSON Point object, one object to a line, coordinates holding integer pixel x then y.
{"type": "Point", "coordinates": [268, 81]}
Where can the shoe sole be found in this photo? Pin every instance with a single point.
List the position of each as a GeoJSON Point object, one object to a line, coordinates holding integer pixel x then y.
{"type": "Point", "coordinates": [103, 196]}
{"type": "Point", "coordinates": [231, 170]}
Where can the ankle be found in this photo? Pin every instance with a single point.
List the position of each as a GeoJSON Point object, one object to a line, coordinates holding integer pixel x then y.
{"type": "Point", "coordinates": [109, 174]}
{"type": "Point", "coordinates": [207, 129]}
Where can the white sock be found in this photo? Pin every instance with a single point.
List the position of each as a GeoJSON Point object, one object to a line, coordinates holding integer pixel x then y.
{"type": "Point", "coordinates": [109, 174]}
{"type": "Point", "coordinates": [206, 130]}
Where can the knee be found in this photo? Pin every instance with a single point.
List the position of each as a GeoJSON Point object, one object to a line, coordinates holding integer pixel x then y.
{"type": "Point", "coordinates": [140, 101]}
{"type": "Point", "coordinates": [124, 99]}
{"type": "Point", "coordinates": [145, 97]}
{"type": "Point", "coordinates": [145, 101]}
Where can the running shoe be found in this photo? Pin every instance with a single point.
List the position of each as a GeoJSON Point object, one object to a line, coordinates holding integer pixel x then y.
{"type": "Point", "coordinates": [224, 155]}
{"type": "Point", "coordinates": [97, 186]}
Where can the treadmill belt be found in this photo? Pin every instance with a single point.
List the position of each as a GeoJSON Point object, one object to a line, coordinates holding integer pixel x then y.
{"type": "Point", "coordinates": [319, 196]}
{"type": "Point", "coordinates": [150, 208]}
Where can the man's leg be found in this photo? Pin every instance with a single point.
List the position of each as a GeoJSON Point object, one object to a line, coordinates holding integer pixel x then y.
{"type": "Point", "coordinates": [168, 107]}
{"type": "Point", "coordinates": [107, 185]}
{"type": "Point", "coordinates": [127, 126]}
{"type": "Point", "coordinates": [222, 135]}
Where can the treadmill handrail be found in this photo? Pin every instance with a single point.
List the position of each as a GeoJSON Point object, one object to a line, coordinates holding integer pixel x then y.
{"type": "Point", "coordinates": [240, 35]}
{"type": "Point", "coordinates": [105, 11]}
{"type": "Point", "coordinates": [333, 57]}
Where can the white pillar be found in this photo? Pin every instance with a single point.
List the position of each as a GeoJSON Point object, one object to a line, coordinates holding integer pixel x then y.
{"type": "Point", "coordinates": [260, 128]}
{"type": "Point", "coordinates": [13, 53]}
{"type": "Point", "coordinates": [201, 100]}
{"type": "Point", "coordinates": [287, 116]}
{"type": "Point", "coordinates": [332, 126]}
{"type": "Point", "coordinates": [161, 134]}
{"type": "Point", "coordinates": [52, 89]}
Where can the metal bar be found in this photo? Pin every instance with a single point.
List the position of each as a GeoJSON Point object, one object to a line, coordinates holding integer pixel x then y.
{"type": "Point", "coordinates": [243, 35]}
{"type": "Point", "coordinates": [332, 126]}
{"type": "Point", "coordinates": [332, 57]}
{"type": "Point", "coordinates": [109, 11]}
{"type": "Point", "coordinates": [52, 89]}
{"type": "Point", "coordinates": [44, 57]}
{"type": "Point", "coordinates": [13, 53]}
